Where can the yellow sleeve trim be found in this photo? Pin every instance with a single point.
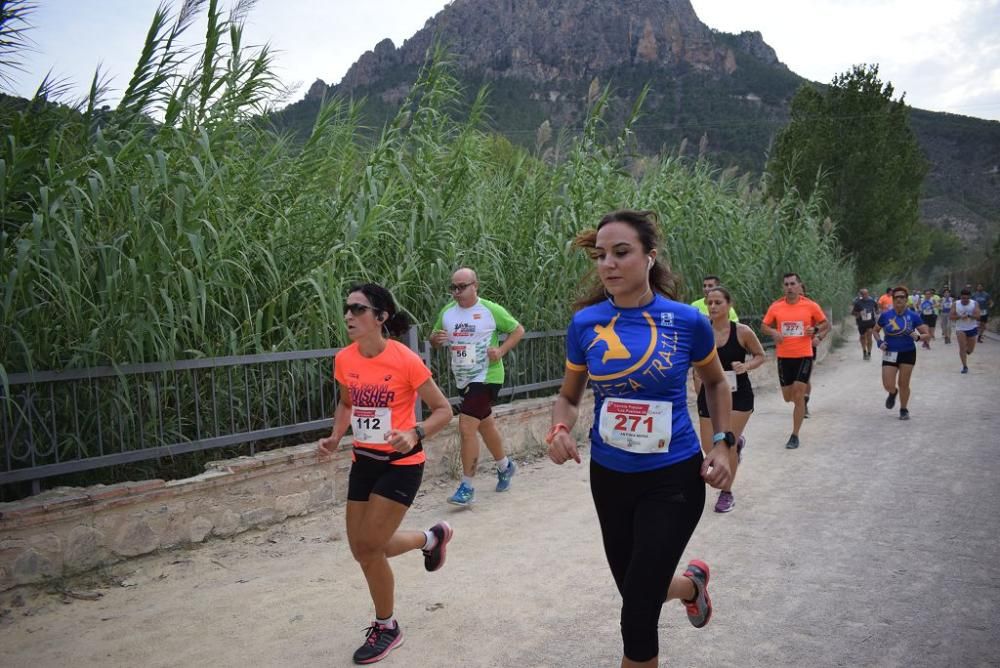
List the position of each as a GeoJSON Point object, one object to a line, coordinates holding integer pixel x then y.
{"type": "Point", "coordinates": [575, 367]}
{"type": "Point", "coordinates": [708, 358]}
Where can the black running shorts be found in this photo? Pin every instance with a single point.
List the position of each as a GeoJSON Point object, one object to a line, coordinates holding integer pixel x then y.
{"type": "Point", "coordinates": [397, 483]}
{"type": "Point", "coordinates": [742, 401]}
{"type": "Point", "coordinates": [905, 357]}
{"type": "Point", "coordinates": [794, 369]}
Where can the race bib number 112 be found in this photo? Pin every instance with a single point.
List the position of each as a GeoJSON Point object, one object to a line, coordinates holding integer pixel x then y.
{"type": "Point", "coordinates": [371, 425]}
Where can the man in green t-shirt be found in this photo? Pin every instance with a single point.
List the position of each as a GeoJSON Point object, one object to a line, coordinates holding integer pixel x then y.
{"type": "Point", "coordinates": [470, 326]}
{"type": "Point", "coordinates": [707, 285]}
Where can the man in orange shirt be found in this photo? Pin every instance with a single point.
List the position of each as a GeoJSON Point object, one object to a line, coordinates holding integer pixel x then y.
{"type": "Point", "coordinates": [792, 322]}
{"type": "Point", "coordinates": [885, 301]}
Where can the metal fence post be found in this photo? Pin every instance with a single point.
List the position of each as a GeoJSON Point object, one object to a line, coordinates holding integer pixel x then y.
{"type": "Point", "coordinates": [413, 343]}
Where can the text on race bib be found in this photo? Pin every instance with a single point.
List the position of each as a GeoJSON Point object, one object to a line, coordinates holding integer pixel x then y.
{"type": "Point", "coordinates": [731, 379]}
{"type": "Point", "coordinates": [866, 315]}
{"type": "Point", "coordinates": [371, 425]}
{"type": "Point", "coordinates": [889, 356]}
{"type": "Point", "coordinates": [793, 328]}
{"type": "Point", "coordinates": [637, 426]}
{"type": "Point", "coordinates": [463, 356]}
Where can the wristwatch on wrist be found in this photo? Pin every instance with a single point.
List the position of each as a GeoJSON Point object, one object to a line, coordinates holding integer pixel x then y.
{"type": "Point", "coordinates": [419, 431]}
{"type": "Point", "coordinates": [726, 437]}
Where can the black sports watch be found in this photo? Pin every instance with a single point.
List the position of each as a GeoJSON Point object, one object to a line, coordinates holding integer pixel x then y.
{"type": "Point", "coordinates": [419, 431]}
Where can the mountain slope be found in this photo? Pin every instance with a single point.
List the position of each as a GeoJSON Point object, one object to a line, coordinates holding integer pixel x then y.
{"type": "Point", "coordinates": [545, 59]}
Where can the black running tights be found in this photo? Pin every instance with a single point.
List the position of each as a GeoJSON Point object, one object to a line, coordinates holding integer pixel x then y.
{"type": "Point", "coordinates": [646, 521]}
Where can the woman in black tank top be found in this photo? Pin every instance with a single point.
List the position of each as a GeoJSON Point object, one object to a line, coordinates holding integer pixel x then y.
{"type": "Point", "coordinates": [734, 342]}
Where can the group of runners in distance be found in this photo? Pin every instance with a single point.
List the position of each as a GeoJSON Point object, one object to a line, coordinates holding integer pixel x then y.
{"type": "Point", "coordinates": [633, 344]}
{"type": "Point", "coordinates": [908, 318]}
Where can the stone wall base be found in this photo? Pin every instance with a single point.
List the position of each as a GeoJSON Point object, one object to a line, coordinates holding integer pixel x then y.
{"type": "Point", "coordinates": [66, 531]}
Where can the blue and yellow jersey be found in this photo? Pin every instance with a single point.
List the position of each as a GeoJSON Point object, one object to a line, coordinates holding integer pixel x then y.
{"type": "Point", "coordinates": [640, 356]}
{"type": "Point", "coordinates": [898, 329]}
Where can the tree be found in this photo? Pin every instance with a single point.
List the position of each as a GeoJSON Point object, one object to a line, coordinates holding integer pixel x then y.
{"type": "Point", "coordinates": [853, 143]}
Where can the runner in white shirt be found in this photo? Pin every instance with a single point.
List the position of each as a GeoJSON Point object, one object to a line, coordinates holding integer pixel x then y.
{"type": "Point", "coordinates": [470, 327]}
{"type": "Point", "coordinates": [965, 314]}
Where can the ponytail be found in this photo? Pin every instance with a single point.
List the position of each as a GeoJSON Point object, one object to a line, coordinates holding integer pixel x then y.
{"type": "Point", "coordinates": [397, 322]}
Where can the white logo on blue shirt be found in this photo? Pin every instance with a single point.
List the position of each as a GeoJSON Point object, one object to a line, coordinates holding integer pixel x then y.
{"type": "Point", "coordinates": [667, 319]}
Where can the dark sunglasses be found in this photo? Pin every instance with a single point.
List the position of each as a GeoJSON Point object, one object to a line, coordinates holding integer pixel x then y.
{"type": "Point", "coordinates": [458, 287]}
{"type": "Point", "coordinates": [899, 296]}
{"type": "Point", "coordinates": [357, 309]}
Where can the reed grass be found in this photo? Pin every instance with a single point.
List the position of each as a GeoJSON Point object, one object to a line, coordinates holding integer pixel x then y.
{"type": "Point", "coordinates": [180, 224]}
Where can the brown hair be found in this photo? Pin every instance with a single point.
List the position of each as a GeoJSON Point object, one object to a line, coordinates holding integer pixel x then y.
{"type": "Point", "coordinates": [724, 292]}
{"type": "Point", "coordinates": [646, 226]}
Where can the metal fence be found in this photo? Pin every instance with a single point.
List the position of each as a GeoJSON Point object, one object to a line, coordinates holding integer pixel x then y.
{"type": "Point", "coordinates": [60, 422]}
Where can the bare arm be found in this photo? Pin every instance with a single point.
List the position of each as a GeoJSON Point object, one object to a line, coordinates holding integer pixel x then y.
{"type": "Point", "coordinates": [715, 469]}
{"type": "Point", "coordinates": [823, 328]}
{"type": "Point", "coordinates": [772, 332]}
{"type": "Point", "coordinates": [512, 340]}
{"type": "Point", "coordinates": [751, 343]}
{"type": "Point", "coordinates": [430, 394]}
{"type": "Point", "coordinates": [341, 421]}
{"type": "Point", "coordinates": [565, 412]}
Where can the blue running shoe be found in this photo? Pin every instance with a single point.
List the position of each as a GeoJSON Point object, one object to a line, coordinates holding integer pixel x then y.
{"type": "Point", "coordinates": [503, 477]}
{"type": "Point", "coordinates": [463, 496]}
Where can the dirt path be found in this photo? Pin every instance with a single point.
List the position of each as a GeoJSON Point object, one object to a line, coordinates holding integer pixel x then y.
{"type": "Point", "coordinates": [875, 543]}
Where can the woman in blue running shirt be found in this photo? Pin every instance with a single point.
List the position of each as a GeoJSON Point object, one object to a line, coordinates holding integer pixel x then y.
{"type": "Point", "coordinates": [903, 327]}
{"type": "Point", "coordinates": [635, 344]}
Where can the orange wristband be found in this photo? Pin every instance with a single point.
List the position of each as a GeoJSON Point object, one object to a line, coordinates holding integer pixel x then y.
{"type": "Point", "coordinates": [555, 430]}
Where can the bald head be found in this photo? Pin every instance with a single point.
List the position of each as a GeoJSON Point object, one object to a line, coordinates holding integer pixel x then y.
{"type": "Point", "coordinates": [464, 275]}
{"type": "Point", "coordinates": [467, 282]}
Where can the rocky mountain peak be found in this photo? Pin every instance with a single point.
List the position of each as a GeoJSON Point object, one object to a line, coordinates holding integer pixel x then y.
{"type": "Point", "coordinates": [549, 40]}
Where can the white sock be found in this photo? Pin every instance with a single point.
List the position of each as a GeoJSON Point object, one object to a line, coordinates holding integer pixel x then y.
{"type": "Point", "coordinates": [390, 622]}
{"type": "Point", "coordinates": [430, 540]}
{"type": "Point", "coordinates": [468, 481]}
{"type": "Point", "coordinates": [502, 464]}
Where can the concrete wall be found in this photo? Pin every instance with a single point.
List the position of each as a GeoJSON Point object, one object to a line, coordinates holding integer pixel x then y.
{"type": "Point", "coordinates": [71, 530]}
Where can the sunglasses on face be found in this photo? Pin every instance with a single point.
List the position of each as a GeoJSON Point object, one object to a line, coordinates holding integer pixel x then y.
{"type": "Point", "coordinates": [458, 287]}
{"type": "Point", "coordinates": [357, 309]}
{"type": "Point", "coordinates": [899, 296]}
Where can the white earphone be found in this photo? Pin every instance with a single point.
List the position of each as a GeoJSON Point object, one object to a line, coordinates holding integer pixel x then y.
{"type": "Point", "coordinates": [651, 261]}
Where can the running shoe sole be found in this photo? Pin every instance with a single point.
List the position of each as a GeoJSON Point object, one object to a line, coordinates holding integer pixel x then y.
{"type": "Point", "coordinates": [703, 567]}
{"type": "Point", "coordinates": [443, 532]}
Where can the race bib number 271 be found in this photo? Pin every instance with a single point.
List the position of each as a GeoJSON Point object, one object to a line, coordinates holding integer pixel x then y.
{"type": "Point", "coordinates": [637, 426]}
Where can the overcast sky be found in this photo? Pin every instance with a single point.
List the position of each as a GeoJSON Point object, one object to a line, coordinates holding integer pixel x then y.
{"type": "Point", "coordinates": [944, 54]}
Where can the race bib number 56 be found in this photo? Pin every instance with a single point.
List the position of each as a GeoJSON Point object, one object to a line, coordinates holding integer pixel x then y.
{"type": "Point", "coordinates": [637, 426]}
{"type": "Point", "coordinates": [371, 425]}
{"type": "Point", "coordinates": [463, 356]}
